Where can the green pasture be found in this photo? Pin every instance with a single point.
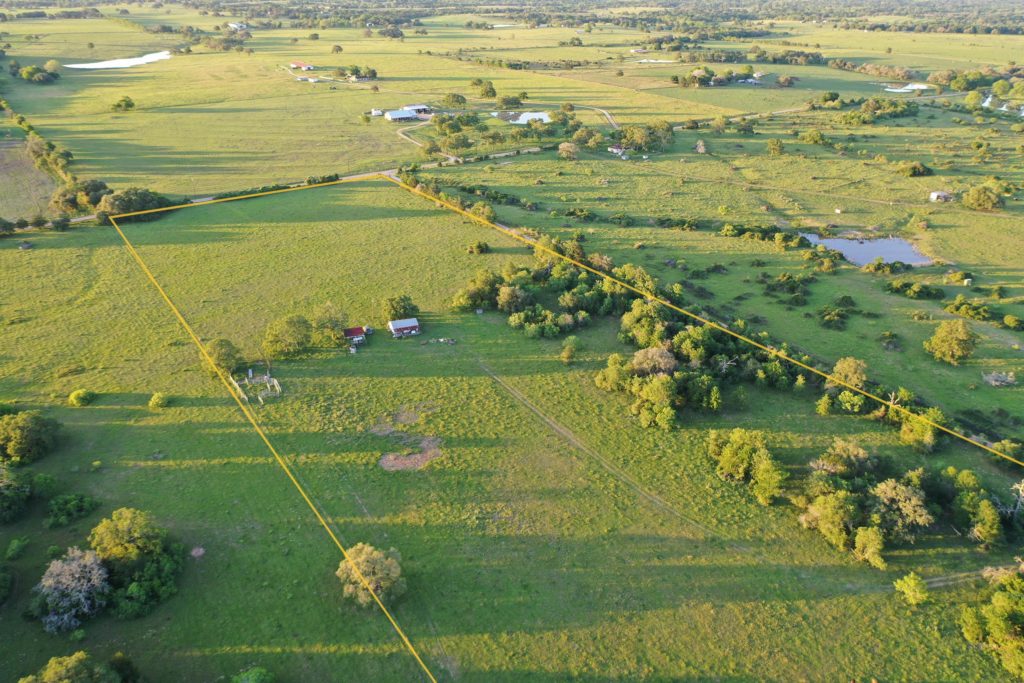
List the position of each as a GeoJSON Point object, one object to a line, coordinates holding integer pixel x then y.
{"type": "Point", "coordinates": [736, 186]}
{"type": "Point", "coordinates": [922, 51]}
{"type": "Point", "coordinates": [611, 554]}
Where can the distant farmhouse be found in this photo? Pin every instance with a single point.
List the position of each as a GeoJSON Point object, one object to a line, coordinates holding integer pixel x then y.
{"type": "Point", "coordinates": [237, 26]}
{"type": "Point", "coordinates": [404, 328]}
{"type": "Point", "coordinates": [301, 66]}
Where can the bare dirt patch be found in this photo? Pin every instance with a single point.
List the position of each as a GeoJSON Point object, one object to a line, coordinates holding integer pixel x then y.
{"type": "Point", "coordinates": [419, 450]}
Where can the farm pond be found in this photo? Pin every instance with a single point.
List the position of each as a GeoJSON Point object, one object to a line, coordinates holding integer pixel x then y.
{"type": "Point", "coordinates": [861, 252]}
{"type": "Point", "coordinates": [123, 63]}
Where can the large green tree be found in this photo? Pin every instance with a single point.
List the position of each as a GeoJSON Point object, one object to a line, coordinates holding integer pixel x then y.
{"type": "Point", "coordinates": [399, 308]}
{"type": "Point", "coordinates": [952, 342]}
{"type": "Point", "coordinates": [126, 537]}
{"type": "Point", "coordinates": [287, 336]}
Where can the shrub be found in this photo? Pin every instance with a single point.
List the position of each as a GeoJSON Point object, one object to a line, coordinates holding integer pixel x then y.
{"type": "Point", "coordinates": [913, 589]}
{"type": "Point", "coordinates": [256, 674]}
{"type": "Point", "coordinates": [81, 398]}
{"type": "Point", "coordinates": [366, 565]}
{"type": "Point", "coordinates": [913, 169]}
{"type": "Point", "coordinates": [159, 400]}
{"type": "Point", "coordinates": [14, 494]}
{"type": "Point", "coordinates": [982, 198]}
{"type": "Point", "coordinates": [69, 507]}
{"type": "Point", "coordinates": [16, 548]}
{"type": "Point", "coordinates": [868, 544]}
{"type": "Point", "coordinates": [224, 355]}
{"type": "Point", "coordinates": [6, 583]}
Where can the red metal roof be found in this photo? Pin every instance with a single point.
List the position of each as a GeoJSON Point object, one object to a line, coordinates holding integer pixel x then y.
{"type": "Point", "coordinates": [354, 332]}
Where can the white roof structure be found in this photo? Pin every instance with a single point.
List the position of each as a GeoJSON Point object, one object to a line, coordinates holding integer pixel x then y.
{"type": "Point", "coordinates": [404, 324]}
{"type": "Point", "coordinates": [400, 115]}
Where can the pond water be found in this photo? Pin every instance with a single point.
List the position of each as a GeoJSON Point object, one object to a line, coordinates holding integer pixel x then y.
{"type": "Point", "coordinates": [123, 63]}
{"type": "Point", "coordinates": [862, 252]}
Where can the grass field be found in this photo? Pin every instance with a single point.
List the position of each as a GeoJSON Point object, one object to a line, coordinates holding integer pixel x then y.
{"type": "Point", "coordinates": [738, 177]}
{"type": "Point", "coordinates": [183, 136]}
{"type": "Point", "coordinates": [516, 521]}
{"type": "Point", "coordinates": [549, 537]}
{"type": "Point", "coordinates": [26, 190]}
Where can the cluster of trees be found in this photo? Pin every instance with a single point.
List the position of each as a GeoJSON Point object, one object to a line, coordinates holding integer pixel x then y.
{"type": "Point", "coordinates": [285, 337]}
{"type": "Point", "coordinates": [129, 200]}
{"type": "Point", "coordinates": [131, 567]}
{"type": "Point", "coordinates": [454, 130]}
{"type": "Point", "coordinates": [896, 73]}
{"type": "Point", "coordinates": [875, 108]}
{"type": "Point", "coordinates": [1004, 81]}
{"type": "Point", "coordinates": [914, 290]}
{"type": "Point", "coordinates": [46, 155]}
{"type": "Point", "coordinates": [704, 76]}
{"type": "Point", "coordinates": [742, 455]}
{"type": "Point", "coordinates": [81, 668]}
{"type": "Point", "coordinates": [754, 54]}
{"type": "Point", "coordinates": [293, 335]}
{"type": "Point", "coordinates": [34, 73]}
{"type": "Point", "coordinates": [859, 501]}
{"type": "Point", "coordinates": [994, 625]}
{"type": "Point", "coordinates": [650, 137]}
{"type": "Point", "coordinates": [355, 70]}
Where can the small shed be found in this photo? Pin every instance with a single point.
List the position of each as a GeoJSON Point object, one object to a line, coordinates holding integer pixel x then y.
{"type": "Point", "coordinates": [355, 335]}
{"type": "Point", "coordinates": [940, 196]}
{"type": "Point", "coordinates": [376, 112]}
{"type": "Point", "coordinates": [301, 66]}
{"type": "Point", "coordinates": [417, 108]}
{"type": "Point", "coordinates": [406, 327]}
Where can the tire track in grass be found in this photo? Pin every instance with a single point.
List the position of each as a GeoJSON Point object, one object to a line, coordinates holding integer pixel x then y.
{"type": "Point", "coordinates": [613, 469]}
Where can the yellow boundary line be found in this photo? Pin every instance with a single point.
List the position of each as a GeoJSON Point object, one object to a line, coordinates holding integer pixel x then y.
{"type": "Point", "coordinates": [259, 430]}
{"type": "Point", "coordinates": [515, 235]}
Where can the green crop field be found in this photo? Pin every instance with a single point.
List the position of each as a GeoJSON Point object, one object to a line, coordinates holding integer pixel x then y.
{"type": "Point", "coordinates": [559, 516]}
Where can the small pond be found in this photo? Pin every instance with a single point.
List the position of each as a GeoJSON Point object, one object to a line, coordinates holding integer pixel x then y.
{"type": "Point", "coordinates": [123, 63]}
{"type": "Point", "coordinates": [861, 252]}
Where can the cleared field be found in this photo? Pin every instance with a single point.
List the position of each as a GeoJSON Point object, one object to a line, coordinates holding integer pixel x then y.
{"type": "Point", "coordinates": [25, 190]}
{"type": "Point", "coordinates": [553, 538]}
